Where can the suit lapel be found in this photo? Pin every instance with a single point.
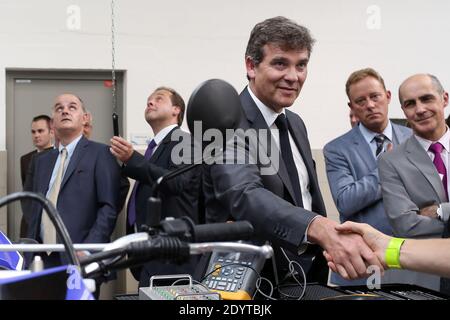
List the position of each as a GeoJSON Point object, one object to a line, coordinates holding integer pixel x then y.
{"type": "Point", "coordinates": [420, 159]}
{"type": "Point", "coordinates": [45, 170]}
{"type": "Point", "coordinates": [257, 122]}
{"type": "Point", "coordinates": [302, 144]}
{"type": "Point", "coordinates": [75, 159]}
{"type": "Point", "coordinates": [160, 149]}
{"type": "Point", "coordinates": [399, 135]}
{"type": "Point", "coordinates": [361, 144]}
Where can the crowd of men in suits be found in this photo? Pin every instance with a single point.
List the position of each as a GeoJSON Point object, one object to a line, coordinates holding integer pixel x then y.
{"type": "Point", "coordinates": [407, 197]}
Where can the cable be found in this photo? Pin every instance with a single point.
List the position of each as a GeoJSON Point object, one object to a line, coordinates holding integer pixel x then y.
{"type": "Point", "coordinates": [258, 284]}
{"type": "Point", "coordinates": [55, 218]}
{"type": "Point", "coordinates": [293, 274]}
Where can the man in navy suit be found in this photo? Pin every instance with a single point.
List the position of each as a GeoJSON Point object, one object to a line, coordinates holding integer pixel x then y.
{"type": "Point", "coordinates": [285, 206]}
{"type": "Point", "coordinates": [179, 196]}
{"type": "Point", "coordinates": [80, 175]}
{"type": "Point", "coordinates": [351, 159]}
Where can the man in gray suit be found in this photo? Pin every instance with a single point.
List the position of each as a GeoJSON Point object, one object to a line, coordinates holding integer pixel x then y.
{"type": "Point", "coordinates": [286, 206]}
{"type": "Point", "coordinates": [414, 175]}
{"type": "Point", "coordinates": [351, 159]}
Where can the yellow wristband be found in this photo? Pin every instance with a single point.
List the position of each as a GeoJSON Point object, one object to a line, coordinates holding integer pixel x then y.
{"type": "Point", "coordinates": [392, 254]}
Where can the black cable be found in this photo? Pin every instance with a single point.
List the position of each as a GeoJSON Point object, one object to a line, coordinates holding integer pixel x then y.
{"type": "Point", "coordinates": [101, 256]}
{"type": "Point", "coordinates": [55, 218]}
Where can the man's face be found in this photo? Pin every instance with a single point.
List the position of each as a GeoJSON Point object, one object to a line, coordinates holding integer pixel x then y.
{"type": "Point", "coordinates": [353, 118]}
{"type": "Point", "coordinates": [424, 107]}
{"type": "Point", "coordinates": [41, 134]}
{"type": "Point", "coordinates": [278, 79]}
{"type": "Point", "coordinates": [160, 108]}
{"type": "Point", "coordinates": [68, 115]}
{"type": "Point", "coordinates": [87, 126]}
{"type": "Point", "coordinates": [369, 102]}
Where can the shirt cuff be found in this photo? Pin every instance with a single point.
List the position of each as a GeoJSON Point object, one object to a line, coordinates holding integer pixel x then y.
{"type": "Point", "coordinates": [443, 216]}
{"type": "Point", "coordinates": [304, 245]}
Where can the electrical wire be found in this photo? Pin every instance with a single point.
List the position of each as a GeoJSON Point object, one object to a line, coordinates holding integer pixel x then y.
{"type": "Point", "coordinates": [293, 273]}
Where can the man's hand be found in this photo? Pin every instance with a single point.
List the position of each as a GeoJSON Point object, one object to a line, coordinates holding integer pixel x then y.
{"type": "Point", "coordinates": [375, 239]}
{"type": "Point", "coordinates": [389, 147]}
{"type": "Point", "coordinates": [430, 211]}
{"type": "Point", "coordinates": [121, 149]}
{"type": "Point", "coordinates": [347, 253]}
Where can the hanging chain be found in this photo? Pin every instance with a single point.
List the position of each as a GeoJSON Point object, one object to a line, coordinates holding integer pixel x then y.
{"type": "Point", "coordinates": [113, 53]}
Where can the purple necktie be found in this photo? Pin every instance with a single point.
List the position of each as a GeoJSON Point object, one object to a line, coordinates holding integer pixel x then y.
{"type": "Point", "coordinates": [436, 149]}
{"type": "Point", "coordinates": [132, 201]}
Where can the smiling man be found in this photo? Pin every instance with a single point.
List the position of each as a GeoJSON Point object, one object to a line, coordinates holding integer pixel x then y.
{"type": "Point", "coordinates": [351, 159]}
{"type": "Point", "coordinates": [414, 175]}
{"type": "Point", "coordinates": [285, 207]}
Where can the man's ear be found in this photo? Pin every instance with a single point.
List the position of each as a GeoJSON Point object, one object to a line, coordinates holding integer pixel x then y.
{"type": "Point", "coordinates": [176, 111]}
{"type": "Point", "coordinates": [445, 97]}
{"type": "Point", "coordinates": [250, 65]}
{"type": "Point", "coordinates": [388, 95]}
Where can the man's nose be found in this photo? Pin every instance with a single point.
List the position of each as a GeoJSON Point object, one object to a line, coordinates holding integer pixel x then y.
{"type": "Point", "coordinates": [420, 107]}
{"type": "Point", "coordinates": [291, 74]}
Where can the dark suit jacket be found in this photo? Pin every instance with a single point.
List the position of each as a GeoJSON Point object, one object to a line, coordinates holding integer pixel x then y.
{"type": "Point", "coordinates": [179, 196]}
{"type": "Point", "coordinates": [241, 192]}
{"type": "Point", "coordinates": [89, 194]}
{"type": "Point", "coordinates": [25, 161]}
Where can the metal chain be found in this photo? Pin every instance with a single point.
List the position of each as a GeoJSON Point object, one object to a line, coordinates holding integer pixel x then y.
{"type": "Point", "coordinates": [113, 53]}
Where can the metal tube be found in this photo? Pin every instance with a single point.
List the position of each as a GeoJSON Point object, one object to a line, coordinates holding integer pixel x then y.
{"type": "Point", "coordinates": [198, 248]}
{"type": "Point", "coordinates": [51, 247]}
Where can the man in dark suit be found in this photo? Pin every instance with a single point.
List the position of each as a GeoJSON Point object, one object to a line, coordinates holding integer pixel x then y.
{"type": "Point", "coordinates": [164, 113]}
{"type": "Point", "coordinates": [80, 177]}
{"type": "Point", "coordinates": [285, 206]}
{"type": "Point", "coordinates": [42, 136]}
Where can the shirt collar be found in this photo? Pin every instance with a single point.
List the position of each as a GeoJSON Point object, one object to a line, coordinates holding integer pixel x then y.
{"type": "Point", "coordinates": [369, 135]}
{"type": "Point", "coordinates": [71, 146]}
{"type": "Point", "coordinates": [444, 140]}
{"type": "Point", "coordinates": [268, 114]}
{"type": "Point", "coordinates": [163, 133]}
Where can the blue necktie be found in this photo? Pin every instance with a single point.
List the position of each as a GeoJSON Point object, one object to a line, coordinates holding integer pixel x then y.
{"type": "Point", "coordinates": [132, 201]}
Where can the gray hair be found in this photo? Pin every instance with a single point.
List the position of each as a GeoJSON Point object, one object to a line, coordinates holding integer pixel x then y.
{"type": "Point", "coordinates": [285, 33]}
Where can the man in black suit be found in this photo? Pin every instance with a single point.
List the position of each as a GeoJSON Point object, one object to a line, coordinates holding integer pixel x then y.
{"type": "Point", "coordinates": [42, 136]}
{"type": "Point", "coordinates": [164, 113]}
{"type": "Point", "coordinates": [285, 206]}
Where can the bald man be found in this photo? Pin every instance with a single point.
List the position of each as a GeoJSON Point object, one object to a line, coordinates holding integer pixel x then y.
{"type": "Point", "coordinates": [414, 175]}
{"type": "Point", "coordinates": [80, 177]}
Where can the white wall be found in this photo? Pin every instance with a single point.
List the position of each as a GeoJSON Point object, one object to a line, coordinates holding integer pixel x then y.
{"type": "Point", "coordinates": [182, 43]}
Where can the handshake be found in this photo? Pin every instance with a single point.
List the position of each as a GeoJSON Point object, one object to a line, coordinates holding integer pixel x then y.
{"type": "Point", "coordinates": [358, 246]}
